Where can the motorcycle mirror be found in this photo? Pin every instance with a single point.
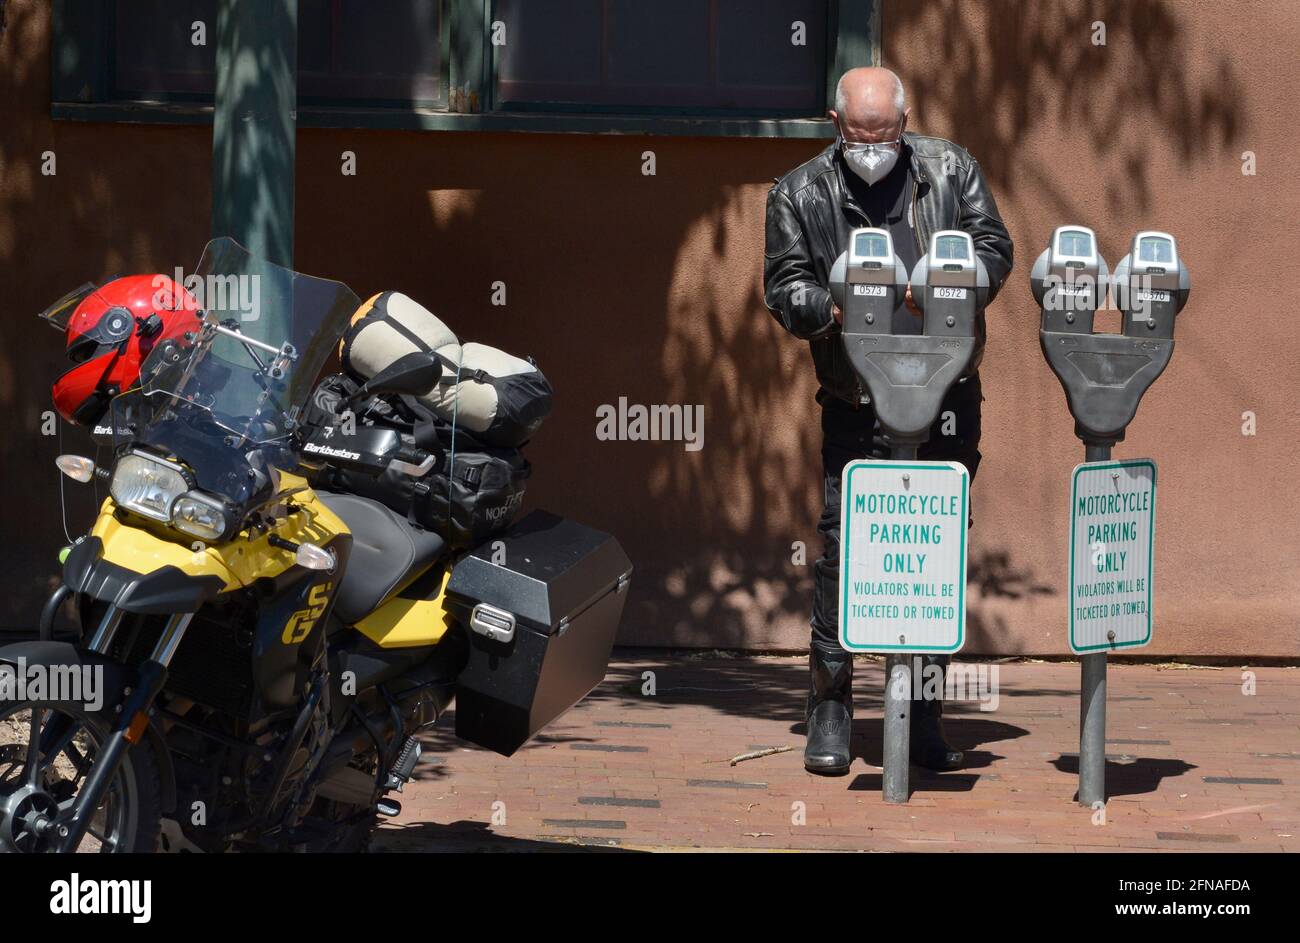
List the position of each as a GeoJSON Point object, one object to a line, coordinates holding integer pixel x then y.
{"type": "Point", "coordinates": [77, 467]}
{"type": "Point", "coordinates": [413, 373]}
{"type": "Point", "coordinates": [313, 557]}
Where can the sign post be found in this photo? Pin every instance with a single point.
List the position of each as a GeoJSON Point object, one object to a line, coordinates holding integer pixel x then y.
{"type": "Point", "coordinates": [902, 581]}
{"type": "Point", "coordinates": [1112, 504]}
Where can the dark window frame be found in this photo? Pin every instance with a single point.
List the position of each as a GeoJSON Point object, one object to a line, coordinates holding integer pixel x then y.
{"type": "Point", "coordinates": [82, 80]}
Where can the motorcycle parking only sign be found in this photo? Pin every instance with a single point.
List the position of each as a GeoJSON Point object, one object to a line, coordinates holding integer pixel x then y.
{"type": "Point", "coordinates": [1112, 528]}
{"type": "Point", "coordinates": [903, 556]}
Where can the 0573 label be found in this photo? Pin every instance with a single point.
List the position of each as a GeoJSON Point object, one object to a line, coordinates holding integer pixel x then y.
{"type": "Point", "coordinates": [872, 291]}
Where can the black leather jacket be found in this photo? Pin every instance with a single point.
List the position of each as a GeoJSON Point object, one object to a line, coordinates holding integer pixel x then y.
{"type": "Point", "coordinates": [810, 213]}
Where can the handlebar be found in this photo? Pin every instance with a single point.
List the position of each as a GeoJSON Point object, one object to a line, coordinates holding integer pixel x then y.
{"type": "Point", "coordinates": [412, 460]}
{"type": "Point", "coordinates": [411, 454]}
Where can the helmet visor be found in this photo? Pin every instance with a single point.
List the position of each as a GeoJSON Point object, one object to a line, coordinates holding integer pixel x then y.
{"type": "Point", "coordinates": [58, 314]}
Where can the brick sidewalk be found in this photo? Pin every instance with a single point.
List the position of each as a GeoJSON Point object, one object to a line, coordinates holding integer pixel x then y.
{"type": "Point", "coordinates": [1195, 765]}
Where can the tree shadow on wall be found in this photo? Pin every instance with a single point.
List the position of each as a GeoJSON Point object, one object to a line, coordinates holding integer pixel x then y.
{"type": "Point", "coordinates": [1011, 67]}
{"type": "Point", "coordinates": [992, 575]}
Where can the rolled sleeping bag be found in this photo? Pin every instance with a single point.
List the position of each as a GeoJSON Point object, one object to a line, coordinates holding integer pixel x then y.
{"type": "Point", "coordinates": [500, 398]}
{"type": "Point", "coordinates": [387, 327]}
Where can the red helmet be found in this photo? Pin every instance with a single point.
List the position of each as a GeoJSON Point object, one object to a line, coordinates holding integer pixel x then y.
{"type": "Point", "coordinates": [110, 332]}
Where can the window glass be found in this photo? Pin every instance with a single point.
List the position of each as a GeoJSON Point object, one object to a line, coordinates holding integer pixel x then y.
{"type": "Point", "coordinates": [705, 55]}
{"type": "Point", "coordinates": [381, 50]}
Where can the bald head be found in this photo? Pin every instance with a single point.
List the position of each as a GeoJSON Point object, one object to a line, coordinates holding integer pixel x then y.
{"type": "Point", "coordinates": [869, 105]}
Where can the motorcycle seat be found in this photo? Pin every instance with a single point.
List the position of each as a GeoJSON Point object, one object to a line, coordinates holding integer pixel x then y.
{"type": "Point", "coordinates": [387, 552]}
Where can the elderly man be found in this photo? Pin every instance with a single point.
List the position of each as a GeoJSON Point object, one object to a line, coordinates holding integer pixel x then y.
{"type": "Point", "coordinates": [876, 173]}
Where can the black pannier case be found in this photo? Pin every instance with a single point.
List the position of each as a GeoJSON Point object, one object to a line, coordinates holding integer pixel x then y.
{"type": "Point", "coordinates": [541, 626]}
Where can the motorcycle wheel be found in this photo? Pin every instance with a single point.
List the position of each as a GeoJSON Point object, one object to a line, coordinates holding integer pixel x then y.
{"type": "Point", "coordinates": [353, 835]}
{"type": "Point", "coordinates": [354, 824]}
{"type": "Point", "coordinates": [128, 818]}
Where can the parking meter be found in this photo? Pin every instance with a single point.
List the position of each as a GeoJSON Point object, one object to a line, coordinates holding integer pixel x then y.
{"type": "Point", "coordinates": [868, 281]}
{"type": "Point", "coordinates": [1105, 375]}
{"type": "Point", "coordinates": [1069, 281]}
{"type": "Point", "coordinates": [1151, 286]}
{"type": "Point", "coordinates": [907, 375]}
{"type": "Point", "coordinates": [950, 285]}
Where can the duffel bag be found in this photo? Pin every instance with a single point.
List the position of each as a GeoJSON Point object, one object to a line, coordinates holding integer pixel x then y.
{"type": "Point", "coordinates": [485, 493]}
{"type": "Point", "coordinates": [476, 496]}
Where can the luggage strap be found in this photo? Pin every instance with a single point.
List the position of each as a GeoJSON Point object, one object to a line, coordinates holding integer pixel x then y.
{"type": "Point", "coordinates": [461, 373]}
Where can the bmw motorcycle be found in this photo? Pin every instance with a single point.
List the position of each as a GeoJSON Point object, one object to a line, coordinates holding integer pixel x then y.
{"type": "Point", "coordinates": [257, 657]}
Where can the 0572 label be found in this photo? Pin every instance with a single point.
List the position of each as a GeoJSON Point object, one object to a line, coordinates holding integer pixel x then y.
{"type": "Point", "coordinates": [958, 294]}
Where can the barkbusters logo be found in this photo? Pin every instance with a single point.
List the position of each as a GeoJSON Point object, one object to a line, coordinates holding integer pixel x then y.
{"type": "Point", "coordinates": [88, 896]}
{"type": "Point", "coordinates": [331, 452]}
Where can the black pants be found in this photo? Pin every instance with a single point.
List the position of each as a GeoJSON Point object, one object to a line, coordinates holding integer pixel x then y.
{"type": "Point", "coordinates": [849, 434]}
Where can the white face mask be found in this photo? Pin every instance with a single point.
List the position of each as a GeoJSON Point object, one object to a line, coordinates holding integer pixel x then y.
{"type": "Point", "coordinates": [871, 162]}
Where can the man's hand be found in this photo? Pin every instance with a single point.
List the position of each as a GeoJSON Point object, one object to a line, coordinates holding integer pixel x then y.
{"type": "Point", "coordinates": [837, 314]}
{"type": "Point", "coordinates": [911, 305]}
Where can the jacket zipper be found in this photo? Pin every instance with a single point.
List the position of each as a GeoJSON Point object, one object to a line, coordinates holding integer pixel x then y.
{"type": "Point", "coordinates": [916, 219]}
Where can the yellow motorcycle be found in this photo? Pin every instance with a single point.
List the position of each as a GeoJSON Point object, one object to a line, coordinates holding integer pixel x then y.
{"type": "Point", "coordinates": [258, 657]}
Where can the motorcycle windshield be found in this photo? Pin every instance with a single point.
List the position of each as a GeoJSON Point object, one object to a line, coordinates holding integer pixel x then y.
{"type": "Point", "coordinates": [264, 334]}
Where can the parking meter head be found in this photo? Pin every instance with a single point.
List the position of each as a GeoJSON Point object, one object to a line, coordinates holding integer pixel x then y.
{"type": "Point", "coordinates": [950, 285]}
{"type": "Point", "coordinates": [1106, 375]}
{"type": "Point", "coordinates": [1151, 285]}
{"type": "Point", "coordinates": [906, 375]}
{"type": "Point", "coordinates": [1069, 280]}
{"type": "Point", "coordinates": [868, 281]}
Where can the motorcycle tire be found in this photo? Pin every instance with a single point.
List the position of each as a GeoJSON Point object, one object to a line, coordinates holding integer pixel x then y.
{"type": "Point", "coordinates": [136, 785]}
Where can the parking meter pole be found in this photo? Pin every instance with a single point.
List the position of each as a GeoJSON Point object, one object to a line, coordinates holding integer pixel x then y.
{"type": "Point", "coordinates": [896, 784]}
{"type": "Point", "coordinates": [1092, 702]}
{"type": "Point", "coordinates": [898, 728]}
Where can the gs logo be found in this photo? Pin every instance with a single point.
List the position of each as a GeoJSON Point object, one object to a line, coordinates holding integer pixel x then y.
{"type": "Point", "coordinates": [303, 621]}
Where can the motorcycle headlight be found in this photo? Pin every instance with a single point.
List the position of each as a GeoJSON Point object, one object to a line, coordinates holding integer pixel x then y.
{"type": "Point", "coordinates": [199, 516]}
{"type": "Point", "coordinates": [147, 485]}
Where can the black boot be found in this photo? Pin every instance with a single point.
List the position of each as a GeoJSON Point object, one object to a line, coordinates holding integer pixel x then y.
{"type": "Point", "coordinates": [830, 710]}
{"type": "Point", "coordinates": [930, 748]}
